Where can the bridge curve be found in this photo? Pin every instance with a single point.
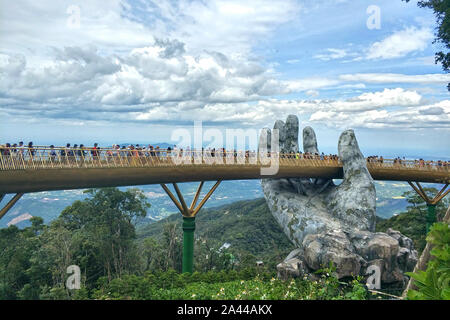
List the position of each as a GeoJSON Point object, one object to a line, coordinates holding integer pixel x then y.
{"type": "Point", "coordinates": [46, 169]}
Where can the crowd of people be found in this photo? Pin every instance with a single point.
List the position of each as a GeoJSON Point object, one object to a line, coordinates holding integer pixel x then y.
{"type": "Point", "coordinates": [417, 163]}
{"type": "Point", "coordinates": [17, 149]}
{"type": "Point", "coordinates": [375, 159]}
{"type": "Point", "coordinates": [78, 153]}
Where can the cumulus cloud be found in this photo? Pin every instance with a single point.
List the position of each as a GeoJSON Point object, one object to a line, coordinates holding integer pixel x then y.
{"type": "Point", "coordinates": [177, 61]}
{"type": "Point", "coordinates": [162, 72]}
{"type": "Point", "coordinates": [163, 83]}
{"type": "Point", "coordinates": [146, 83]}
{"type": "Point", "coordinates": [85, 78]}
{"type": "Point", "coordinates": [375, 100]}
{"type": "Point", "coordinates": [335, 113]}
{"type": "Point", "coordinates": [434, 116]}
{"type": "Point", "coordinates": [401, 43]}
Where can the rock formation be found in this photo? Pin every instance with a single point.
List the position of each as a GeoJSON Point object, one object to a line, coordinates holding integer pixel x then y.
{"type": "Point", "coordinates": [333, 223]}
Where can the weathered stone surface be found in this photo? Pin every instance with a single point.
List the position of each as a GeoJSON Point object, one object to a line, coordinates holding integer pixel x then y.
{"type": "Point", "coordinates": [334, 223]}
{"type": "Point", "coordinates": [402, 240]}
{"type": "Point", "coordinates": [302, 206]}
{"type": "Point", "coordinates": [407, 258]}
{"type": "Point", "coordinates": [291, 134]}
{"type": "Point", "coordinates": [320, 249]}
{"type": "Point", "coordinates": [291, 268]}
{"type": "Point", "coordinates": [309, 140]}
{"type": "Point", "coordinates": [353, 201]}
{"type": "Point", "coordinates": [294, 254]}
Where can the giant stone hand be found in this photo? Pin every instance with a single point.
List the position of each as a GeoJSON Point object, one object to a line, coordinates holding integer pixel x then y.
{"type": "Point", "coordinates": [308, 206]}
{"type": "Point", "coordinates": [331, 222]}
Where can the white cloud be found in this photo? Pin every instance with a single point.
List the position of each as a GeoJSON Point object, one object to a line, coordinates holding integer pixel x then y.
{"type": "Point", "coordinates": [312, 93]}
{"type": "Point", "coordinates": [162, 82]}
{"type": "Point", "coordinates": [34, 28]}
{"type": "Point", "coordinates": [401, 43]}
{"type": "Point", "coordinates": [161, 74]}
{"type": "Point", "coordinates": [375, 100]}
{"type": "Point", "coordinates": [352, 86]}
{"type": "Point", "coordinates": [431, 116]}
{"type": "Point", "coordinates": [436, 78]}
{"type": "Point", "coordinates": [332, 54]}
{"type": "Point", "coordinates": [219, 25]}
{"type": "Point", "coordinates": [312, 83]}
{"type": "Point", "coordinates": [178, 61]}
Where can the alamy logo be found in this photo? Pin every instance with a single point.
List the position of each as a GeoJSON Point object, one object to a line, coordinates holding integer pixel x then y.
{"type": "Point", "coordinates": [374, 280]}
{"type": "Point", "coordinates": [232, 150]}
{"type": "Point", "coordinates": [74, 280]}
{"type": "Point", "coordinates": [374, 19]}
{"type": "Point", "coordinates": [73, 21]}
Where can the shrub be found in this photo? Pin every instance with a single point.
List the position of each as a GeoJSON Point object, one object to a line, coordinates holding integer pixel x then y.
{"type": "Point", "coordinates": [433, 284]}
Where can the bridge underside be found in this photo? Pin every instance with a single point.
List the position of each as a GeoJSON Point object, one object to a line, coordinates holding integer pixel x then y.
{"type": "Point", "coordinates": [31, 180]}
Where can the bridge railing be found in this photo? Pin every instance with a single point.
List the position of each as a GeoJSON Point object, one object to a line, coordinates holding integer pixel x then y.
{"type": "Point", "coordinates": [59, 157]}
{"type": "Point", "coordinates": [409, 164]}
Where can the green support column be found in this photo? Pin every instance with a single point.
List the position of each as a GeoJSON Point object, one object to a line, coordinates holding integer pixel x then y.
{"type": "Point", "coordinates": [188, 221]}
{"type": "Point", "coordinates": [431, 216]}
{"type": "Point", "coordinates": [188, 244]}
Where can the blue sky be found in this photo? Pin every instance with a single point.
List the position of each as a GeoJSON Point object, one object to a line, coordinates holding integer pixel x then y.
{"type": "Point", "coordinates": [84, 71]}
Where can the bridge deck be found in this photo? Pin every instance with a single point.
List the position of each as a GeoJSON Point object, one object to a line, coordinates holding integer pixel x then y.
{"type": "Point", "coordinates": [47, 170]}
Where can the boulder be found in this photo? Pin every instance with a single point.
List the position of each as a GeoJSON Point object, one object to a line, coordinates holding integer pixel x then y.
{"type": "Point", "coordinates": [321, 249]}
{"type": "Point", "coordinates": [291, 268]}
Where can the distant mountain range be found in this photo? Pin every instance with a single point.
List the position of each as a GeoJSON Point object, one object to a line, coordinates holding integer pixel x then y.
{"type": "Point", "coordinates": [49, 204]}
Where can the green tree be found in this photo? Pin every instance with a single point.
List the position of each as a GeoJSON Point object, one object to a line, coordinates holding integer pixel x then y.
{"type": "Point", "coordinates": [441, 9]}
{"type": "Point", "coordinates": [103, 232]}
{"type": "Point", "coordinates": [412, 223]}
{"type": "Point", "coordinates": [18, 280]}
{"type": "Point", "coordinates": [210, 255]}
{"type": "Point", "coordinates": [418, 205]}
{"type": "Point", "coordinates": [153, 255]}
{"type": "Point", "coordinates": [174, 247]}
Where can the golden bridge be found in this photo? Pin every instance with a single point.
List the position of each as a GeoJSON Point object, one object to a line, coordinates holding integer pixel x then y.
{"type": "Point", "coordinates": [44, 169]}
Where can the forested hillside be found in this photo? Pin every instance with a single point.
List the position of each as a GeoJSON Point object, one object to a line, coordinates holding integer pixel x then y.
{"type": "Point", "coordinates": [247, 226]}
{"type": "Point", "coordinates": [116, 261]}
{"type": "Point", "coordinates": [412, 222]}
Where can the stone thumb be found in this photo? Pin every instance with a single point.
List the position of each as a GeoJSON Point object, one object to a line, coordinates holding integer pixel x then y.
{"type": "Point", "coordinates": [353, 201]}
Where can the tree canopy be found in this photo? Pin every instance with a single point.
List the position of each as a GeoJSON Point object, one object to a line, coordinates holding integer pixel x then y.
{"type": "Point", "coordinates": [441, 9]}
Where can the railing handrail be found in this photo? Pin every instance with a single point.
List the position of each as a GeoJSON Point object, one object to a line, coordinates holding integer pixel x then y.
{"type": "Point", "coordinates": [217, 150]}
{"type": "Point", "coordinates": [39, 157]}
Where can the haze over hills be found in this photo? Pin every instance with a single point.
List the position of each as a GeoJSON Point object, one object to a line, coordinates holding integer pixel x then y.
{"type": "Point", "coordinates": [49, 204]}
